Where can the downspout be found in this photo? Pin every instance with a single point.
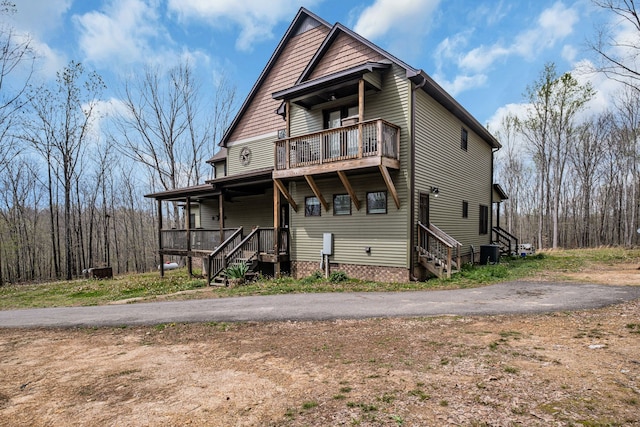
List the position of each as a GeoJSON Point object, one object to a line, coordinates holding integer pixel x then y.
{"type": "Point", "coordinates": [412, 182]}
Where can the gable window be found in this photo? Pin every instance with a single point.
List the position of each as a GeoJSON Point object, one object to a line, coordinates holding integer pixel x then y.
{"type": "Point", "coordinates": [377, 202]}
{"type": "Point", "coordinates": [311, 206]}
{"type": "Point", "coordinates": [464, 136]}
{"type": "Point", "coordinates": [484, 220]}
{"type": "Point", "coordinates": [341, 204]}
{"type": "Point", "coordinates": [465, 209]}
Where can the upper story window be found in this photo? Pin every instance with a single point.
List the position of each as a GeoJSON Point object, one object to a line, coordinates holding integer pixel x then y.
{"type": "Point", "coordinates": [311, 206]}
{"type": "Point", "coordinates": [464, 136]}
{"type": "Point", "coordinates": [377, 202]}
{"type": "Point", "coordinates": [341, 204]}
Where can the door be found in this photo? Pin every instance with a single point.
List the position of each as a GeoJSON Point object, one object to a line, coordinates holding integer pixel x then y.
{"type": "Point", "coordinates": [334, 120]}
{"type": "Point", "coordinates": [423, 211]}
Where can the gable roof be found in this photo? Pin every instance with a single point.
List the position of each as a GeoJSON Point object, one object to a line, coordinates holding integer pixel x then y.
{"type": "Point", "coordinates": [417, 76]}
{"type": "Point", "coordinates": [301, 19]}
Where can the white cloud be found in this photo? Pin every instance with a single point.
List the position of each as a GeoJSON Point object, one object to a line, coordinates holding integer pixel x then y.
{"type": "Point", "coordinates": [395, 18]}
{"type": "Point", "coordinates": [122, 32]}
{"type": "Point", "coordinates": [256, 18]}
{"type": "Point", "coordinates": [569, 53]}
{"type": "Point", "coordinates": [461, 83]}
{"type": "Point", "coordinates": [40, 17]}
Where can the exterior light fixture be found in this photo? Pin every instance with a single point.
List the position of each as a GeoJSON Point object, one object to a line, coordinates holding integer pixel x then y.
{"type": "Point", "coordinates": [435, 191]}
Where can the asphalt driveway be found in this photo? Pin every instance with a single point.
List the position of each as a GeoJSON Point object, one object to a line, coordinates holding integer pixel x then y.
{"type": "Point", "coordinates": [504, 298]}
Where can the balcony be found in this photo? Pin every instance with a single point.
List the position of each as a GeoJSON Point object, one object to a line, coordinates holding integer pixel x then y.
{"type": "Point", "coordinates": [367, 144]}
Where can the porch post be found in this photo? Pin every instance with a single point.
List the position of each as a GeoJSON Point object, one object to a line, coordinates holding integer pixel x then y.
{"type": "Point", "coordinates": [360, 116]}
{"type": "Point", "coordinates": [221, 216]}
{"type": "Point", "coordinates": [160, 238]}
{"type": "Point", "coordinates": [276, 229]}
{"type": "Point", "coordinates": [188, 231]}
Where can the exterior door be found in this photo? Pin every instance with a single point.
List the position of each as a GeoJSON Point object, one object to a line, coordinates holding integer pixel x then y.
{"type": "Point", "coordinates": [423, 214]}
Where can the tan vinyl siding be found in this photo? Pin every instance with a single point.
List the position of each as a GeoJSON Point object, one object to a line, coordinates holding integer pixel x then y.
{"type": "Point", "coordinates": [219, 169]}
{"type": "Point", "coordinates": [385, 234]}
{"type": "Point", "coordinates": [459, 175]}
{"type": "Point", "coordinates": [345, 52]}
{"type": "Point", "coordinates": [208, 212]}
{"type": "Point", "coordinates": [249, 211]}
{"type": "Point", "coordinates": [260, 116]}
{"type": "Point", "coordinates": [262, 155]}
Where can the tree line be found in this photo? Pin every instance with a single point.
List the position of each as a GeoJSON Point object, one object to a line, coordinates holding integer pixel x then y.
{"type": "Point", "coordinates": [74, 168]}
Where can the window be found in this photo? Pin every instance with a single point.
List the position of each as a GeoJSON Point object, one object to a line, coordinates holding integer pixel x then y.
{"type": "Point", "coordinates": [311, 206]}
{"type": "Point", "coordinates": [377, 202]}
{"type": "Point", "coordinates": [464, 136]}
{"type": "Point", "coordinates": [341, 204]}
{"type": "Point", "coordinates": [484, 219]}
{"type": "Point", "coordinates": [465, 209]}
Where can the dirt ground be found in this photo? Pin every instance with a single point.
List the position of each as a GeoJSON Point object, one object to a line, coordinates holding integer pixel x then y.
{"type": "Point", "coordinates": [568, 368]}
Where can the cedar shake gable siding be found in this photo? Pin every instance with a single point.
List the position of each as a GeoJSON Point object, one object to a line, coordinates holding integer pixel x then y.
{"type": "Point", "coordinates": [258, 116]}
{"type": "Point", "coordinates": [345, 52]}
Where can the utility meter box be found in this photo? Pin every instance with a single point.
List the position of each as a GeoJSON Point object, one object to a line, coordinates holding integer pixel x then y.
{"type": "Point", "coordinates": [327, 243]}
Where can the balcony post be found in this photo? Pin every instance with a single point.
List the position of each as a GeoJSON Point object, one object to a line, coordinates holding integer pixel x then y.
{"type": "Point", "coordinates": [288, 135]}
{"type": "Point", "coordinates": [160, 238]}
{"type": "Point", "coordinates": [360, 117]}
{"type": "Point", "coordinates": [221, 216]}
{"type": "Point", "coordinates": [380, 140]}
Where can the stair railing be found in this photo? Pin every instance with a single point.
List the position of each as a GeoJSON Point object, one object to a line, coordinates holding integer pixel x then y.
{"type": "Point", "coordinates": [250, 244]}
{"type": "Point", "coordinates": [505, 239]}
{"type": "Point", "coordinates": [439, 246]}
{"type": "Point", "coordinates": [217, 259]}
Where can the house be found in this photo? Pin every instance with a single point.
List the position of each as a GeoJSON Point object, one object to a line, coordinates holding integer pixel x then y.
{"type": "Point", "coordinates": [345, 157]}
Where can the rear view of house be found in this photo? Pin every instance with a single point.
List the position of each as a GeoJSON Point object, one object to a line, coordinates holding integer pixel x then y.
{"type": "Point", "coordinates": [341, 152]}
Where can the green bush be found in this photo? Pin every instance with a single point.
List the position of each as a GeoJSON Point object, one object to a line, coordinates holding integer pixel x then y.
{"type": "Point", "coordinates": [338, 276]}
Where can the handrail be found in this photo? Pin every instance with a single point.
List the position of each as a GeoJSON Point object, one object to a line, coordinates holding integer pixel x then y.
{"type": "Point", "coordinates": [508, 237]}
{"type": "Point", "coordinates": [439, 246]}
{"type": "Point", "coordinates": [249, 241]}
{"type": "Point", "coordinates": [217, 258]}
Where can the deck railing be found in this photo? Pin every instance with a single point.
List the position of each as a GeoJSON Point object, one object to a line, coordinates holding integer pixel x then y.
{"type": "Point", "coordinates": [508, 242]}
{"type": "Point", "coordinates": [206, 240]}
{"type": "Point", "coordinates": [379, 138]}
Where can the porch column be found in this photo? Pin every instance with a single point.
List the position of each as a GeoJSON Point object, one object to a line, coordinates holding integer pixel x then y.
{"type": "Point", "coordinates": [160, 238]}
{"type": "Point", "coordinates": [221, 216]}
{"type": "Point", "coordinates": [360, 116]}
{"type": "Point", "coordinates": [276, 229]}
{"type": "Point", "coordinates": [188, 231]}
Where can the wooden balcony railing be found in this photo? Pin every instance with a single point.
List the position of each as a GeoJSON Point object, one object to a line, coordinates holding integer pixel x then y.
{"type": "Point", "coordinates": [379, 139]}
{"type": "Point", "coordinates": [201, 240]}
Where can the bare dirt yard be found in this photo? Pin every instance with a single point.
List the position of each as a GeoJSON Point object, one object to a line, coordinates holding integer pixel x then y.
{"type": "Point", "coordinates": [560, 369]}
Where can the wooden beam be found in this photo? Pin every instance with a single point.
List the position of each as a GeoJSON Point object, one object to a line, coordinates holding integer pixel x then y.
{"type": "Point", "coordinates": [360, 116]}
{"type": "Point", "coordinates": [389, 182]}
{"type": "Point", "coordinates": [317, 192]}
{"type": "Point", "coordinates": [286, 194]}
{"type": "Point", "coordinates": [188, 231]}
{"type": "Point", "coordinates": [160, 238]}
{"type": "Point", "coordinates": [221, 216]}
{"type": "Point", "coordinates": [349, 188]}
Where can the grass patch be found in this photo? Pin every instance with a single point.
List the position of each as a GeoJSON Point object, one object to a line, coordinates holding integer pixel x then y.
{"type": "Point", "coordinates": [148, 286]}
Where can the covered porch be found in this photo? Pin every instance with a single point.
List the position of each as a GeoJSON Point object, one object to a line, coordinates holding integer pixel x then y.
{"type": "Point", "coordinates": [215, 220]}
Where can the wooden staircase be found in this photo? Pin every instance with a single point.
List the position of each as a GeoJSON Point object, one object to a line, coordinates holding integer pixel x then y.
{"type": "Point", "coordinates": [438, 252]}
{"type": "Point", "coordinates": [236, 250]}
{"type": "Point", "coordinates": [508, 242]}
{"type": "Point", "coordinates": [249, 259]}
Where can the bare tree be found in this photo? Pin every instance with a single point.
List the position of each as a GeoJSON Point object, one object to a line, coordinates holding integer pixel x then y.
{"type": "Point", "coordinates": [61, 130]}
{"type": "Point", "coordinates": [550, 127]}
{"type": "Point", "coordinates": [618, 55]}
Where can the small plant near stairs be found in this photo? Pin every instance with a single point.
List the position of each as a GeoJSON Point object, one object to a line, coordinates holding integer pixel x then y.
{"type": "Point", "coordinates": [235, 274]}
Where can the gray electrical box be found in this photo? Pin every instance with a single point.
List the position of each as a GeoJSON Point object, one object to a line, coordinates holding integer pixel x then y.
{"type": "Point", "coordinates": [327, 243]}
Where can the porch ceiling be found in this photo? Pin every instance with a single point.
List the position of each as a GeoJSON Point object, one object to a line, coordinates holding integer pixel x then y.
{"type": "Point", "coordinates": [331, 87]}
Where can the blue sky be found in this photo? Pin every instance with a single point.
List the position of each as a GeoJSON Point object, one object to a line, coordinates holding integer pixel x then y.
{"type": "Point", "coordinates": [484, 52]}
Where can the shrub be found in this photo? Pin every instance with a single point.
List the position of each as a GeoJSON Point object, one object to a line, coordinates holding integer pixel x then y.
{"type": "Point", "coordinates": [338, 276]}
